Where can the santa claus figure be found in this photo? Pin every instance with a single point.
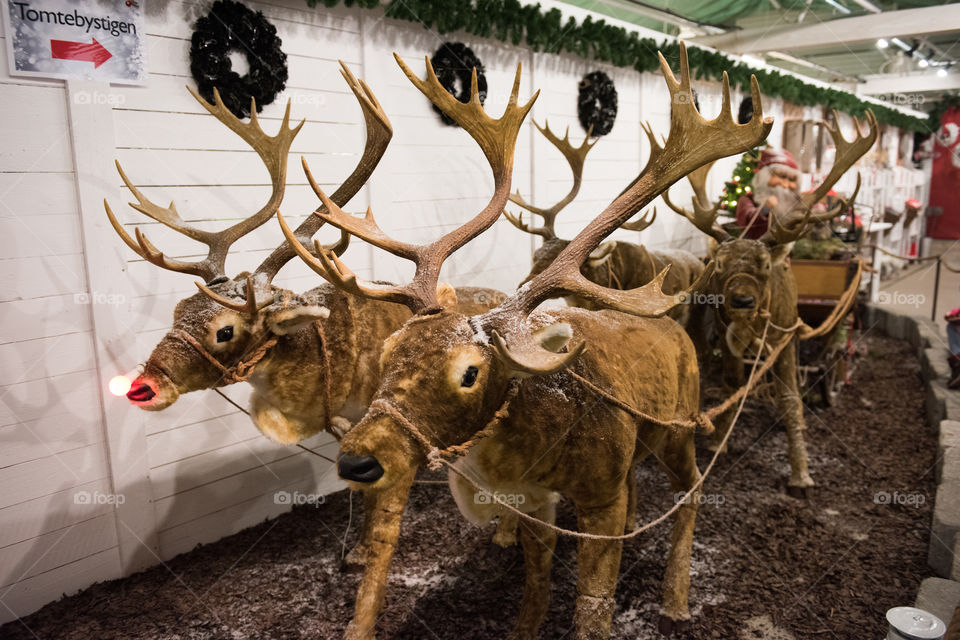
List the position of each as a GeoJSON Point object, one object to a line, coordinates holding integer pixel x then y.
{"type": "Point", "coordinates": [775, 190]}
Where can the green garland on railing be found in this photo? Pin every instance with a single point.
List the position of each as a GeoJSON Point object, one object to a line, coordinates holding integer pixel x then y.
{"type": "Point", "coordinates": [510, 21]}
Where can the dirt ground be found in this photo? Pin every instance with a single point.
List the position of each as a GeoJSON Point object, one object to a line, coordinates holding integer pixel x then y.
{"type": "Point", "coordinates": [765, 566]}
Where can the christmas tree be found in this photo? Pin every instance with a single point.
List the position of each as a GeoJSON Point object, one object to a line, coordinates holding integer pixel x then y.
{"type": "Point", "coordinates": [740, 183]}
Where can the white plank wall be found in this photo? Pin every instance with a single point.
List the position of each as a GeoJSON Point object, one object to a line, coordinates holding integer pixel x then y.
{"type": "Point", "coordinates": [201, 468]}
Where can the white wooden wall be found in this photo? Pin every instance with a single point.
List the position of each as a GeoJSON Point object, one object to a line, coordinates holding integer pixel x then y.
{"type": "Point", "coordinates": [200, 470]}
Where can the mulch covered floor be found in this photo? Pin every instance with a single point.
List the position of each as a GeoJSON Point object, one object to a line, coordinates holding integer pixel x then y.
{"type": "Point", "coordinates": [765, 565]}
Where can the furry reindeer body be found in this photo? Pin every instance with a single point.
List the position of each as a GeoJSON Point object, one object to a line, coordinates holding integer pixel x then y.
{"type": "Point", "coordinates": [446, 376]}
{"type": "Point", "coordinates": [754, 280]}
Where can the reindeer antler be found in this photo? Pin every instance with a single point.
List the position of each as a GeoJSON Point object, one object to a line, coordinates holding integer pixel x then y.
{"type": "Point", "coordinates": [704, 214]}
{"type": "Point", "coordinates": [693, 141]}
{"type": "Point", "coordinates": [379, 133]}
{"type": "Point", "coordinates": [249, 307]}
{"type": "Point", "coordinates": [793, 225]}
{"type": "Point", "coordinates": [576, 157]}
{"type": "Point", "coordinates": [497, 139]}
{"type": "Point", "coordinates": [273, 151]}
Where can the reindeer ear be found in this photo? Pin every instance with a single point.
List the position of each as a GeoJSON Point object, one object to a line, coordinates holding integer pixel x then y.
{"type": "Point", "coordinates": [601, 254]}
{"type": "Point", "coordinates": [779, 253]}
{"type": "Point", "coordinates": [287, 320]}
{"type": "Point", "coordinates": [447, 296]}
{"type": "Point", "coordinates": [554, 337]}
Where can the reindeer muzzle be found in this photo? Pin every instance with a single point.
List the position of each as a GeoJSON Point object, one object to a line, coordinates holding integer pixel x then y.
{"type": "Point", "coordinates": [359, 468]}
{"type": "Point", "coordinates": [742, 302]}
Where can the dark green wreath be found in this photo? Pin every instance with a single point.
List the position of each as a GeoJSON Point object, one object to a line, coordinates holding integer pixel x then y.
{"type": "Point", "coordinates": [231, 26]}
{"type": "Point", "coordinates": [454, 63]}
{"type": "Point", "coordinates": [597, 103]}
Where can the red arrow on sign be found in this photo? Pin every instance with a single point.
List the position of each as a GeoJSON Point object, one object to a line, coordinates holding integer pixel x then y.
{"type": "Point", "coordinates": [93, 52]}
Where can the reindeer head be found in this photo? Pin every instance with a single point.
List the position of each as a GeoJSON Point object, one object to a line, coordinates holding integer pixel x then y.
{"type": "Point", "coordinates": [446, 374]}
{"type": "Point", "coordinates": [552, 244]}
{"type": "Point", "coordinates": [219, 331]}
{"type": "Point", "coordinates": [744, 267]}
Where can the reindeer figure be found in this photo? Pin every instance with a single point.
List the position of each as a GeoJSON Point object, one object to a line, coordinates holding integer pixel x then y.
{"type": "Point", "coordinates": [623, 265]}
{"type": "Point", "coordinates": [312, 359]}
{"type": "Point", "coordinates": [754, 281]}
{"type": "Point", "coordinates": [510, 373]}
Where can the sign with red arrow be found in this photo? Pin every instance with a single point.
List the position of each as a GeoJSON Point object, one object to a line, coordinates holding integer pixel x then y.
{"type": "Point", "coordinates": [93, 52]}
{"type": "Point", "coordinates": [93, 39]}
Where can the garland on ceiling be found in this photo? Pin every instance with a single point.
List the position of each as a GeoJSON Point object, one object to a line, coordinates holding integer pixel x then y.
{"type": "Point", "coordinates": [547, 31]}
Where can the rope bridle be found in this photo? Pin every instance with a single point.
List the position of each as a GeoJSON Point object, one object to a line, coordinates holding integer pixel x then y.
{"type": "Point", "coordinates": [243, 369]}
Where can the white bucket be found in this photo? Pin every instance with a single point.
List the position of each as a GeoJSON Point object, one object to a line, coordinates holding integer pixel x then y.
{"type": "Point", "coordinates": [909, 623]}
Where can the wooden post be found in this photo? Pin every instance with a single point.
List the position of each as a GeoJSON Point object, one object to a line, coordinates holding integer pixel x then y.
{"type": "Point", "coordinates": [111, 296]}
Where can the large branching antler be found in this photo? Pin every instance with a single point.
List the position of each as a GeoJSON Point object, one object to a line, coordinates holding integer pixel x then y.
{"type": "Point", "coordinates": [497, 139]}
{"type": "Point", "coordinates": [575, 157]}
{"type": "Point", "coordinates": [786, 228]}
{"type": "Point", "coordinates": [273, 151]}
{"type": "Point", "coordinates": [704, 214]}
{"type": "Point", "coordinates": [379, 133]}
{"type": "Point", "coordinates": [692, 142]}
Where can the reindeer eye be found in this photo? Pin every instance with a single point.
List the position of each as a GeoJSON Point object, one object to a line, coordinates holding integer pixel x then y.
{"type": "Point", "coordinates": [469, 377]}
{"type": "Point", "coordinates": [225, 334]}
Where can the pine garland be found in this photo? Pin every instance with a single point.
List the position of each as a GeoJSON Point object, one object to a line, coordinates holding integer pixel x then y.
{"type": "Point", "coordinates": [547, 31]}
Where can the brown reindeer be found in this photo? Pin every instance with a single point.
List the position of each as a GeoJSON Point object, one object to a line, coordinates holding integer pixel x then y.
{"type": "Point", "coordinates": [511, 373]}
{"type": "Point", "coordinates": [754, 282]}
{"type": "Point", "coordinates": [623, 265]}
{"type": "Point", "coordinates": [312, 359]}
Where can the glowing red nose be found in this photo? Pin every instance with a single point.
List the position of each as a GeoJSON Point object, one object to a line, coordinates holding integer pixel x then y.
{"type": "Point", "coordinates": [140, 392]}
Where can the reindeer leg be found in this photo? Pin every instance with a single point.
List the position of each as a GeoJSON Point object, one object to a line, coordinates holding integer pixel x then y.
{"type": "Point", "coordinates": [790, 406]}
{"type": "Point", "coordinates": [598, 564]}
{"type": "Point", "coordinates": [357, 557]}
{"type": "Point", "coordinates": [506, 534]}
{"type": "Point", "coordinates": [680, 464]}
{"type": "Point", "coordinates": [631, 522]}
{"type": "Point", "coordinates": [383, 511]}
{"type": "Point", "coordinates": [733, 379]}
{"type": "Point", "coordinates": [538, 543]}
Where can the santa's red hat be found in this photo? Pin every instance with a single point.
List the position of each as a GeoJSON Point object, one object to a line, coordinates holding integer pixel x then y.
{"type": "Point", "coordinates": [780, 158]}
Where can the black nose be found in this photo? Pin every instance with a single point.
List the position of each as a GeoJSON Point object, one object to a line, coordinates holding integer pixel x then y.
{"type": "Point", "coordinates": [742, 302]}
{"type": "Point", "coordinates": [141, 393]}
{"type": "Point", "coordinates": [359, 468]}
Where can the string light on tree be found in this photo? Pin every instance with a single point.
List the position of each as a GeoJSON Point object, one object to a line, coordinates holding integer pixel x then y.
{"type": "Point", "coordinates": [740, 182]}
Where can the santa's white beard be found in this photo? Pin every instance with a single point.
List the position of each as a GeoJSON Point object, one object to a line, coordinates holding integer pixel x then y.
{"type": "Point", "coordinates": [787, 199]}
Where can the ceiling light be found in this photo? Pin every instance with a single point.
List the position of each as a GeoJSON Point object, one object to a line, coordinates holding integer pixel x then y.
{"type": "Point", "coordinates": [882, 43]}
{"type": "Point", "coordinates": [923, 63]}
{"type": "Point", "coordinates": [942, 72]}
